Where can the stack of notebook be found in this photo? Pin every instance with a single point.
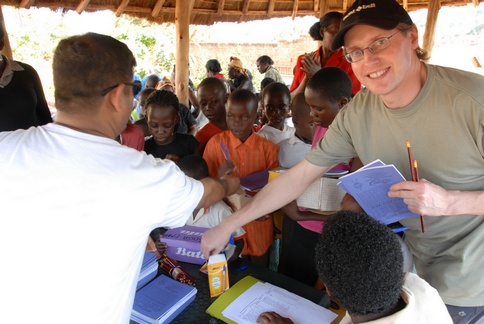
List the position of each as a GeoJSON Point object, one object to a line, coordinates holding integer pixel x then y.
{"type": "Point", "coordinates": [161, 300]}
{"type": "Point", "coordinates": [149, 269]}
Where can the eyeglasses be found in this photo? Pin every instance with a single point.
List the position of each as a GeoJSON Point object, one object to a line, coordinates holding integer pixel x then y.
{"type": "Point", "coordinates": [375, 47]}
{"type": "Point", "coordinates": [136, 87]}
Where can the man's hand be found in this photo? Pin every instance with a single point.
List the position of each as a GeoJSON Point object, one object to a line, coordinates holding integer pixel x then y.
{"type": "Point", "coordinates": [423, 197]}
{"type": "Point", "coordinates": [273, 317]}
{"type": "Point", "coordinates": [215, 239]}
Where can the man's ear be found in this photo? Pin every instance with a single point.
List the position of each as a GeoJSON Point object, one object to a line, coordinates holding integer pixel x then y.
{"type": "Point", "coordinates": [342, 102]}
{"type": "Point", "coordinates": [116, 96]}
{"type": "Point", "coordinates": [413, 34]}
{"type": "Point", "coordinates": [226, 98]}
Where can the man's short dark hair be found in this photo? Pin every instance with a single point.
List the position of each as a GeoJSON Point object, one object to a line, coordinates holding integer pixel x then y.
{"type": "Point", "coordinates": [332, 83]}
{"type": "Point", "coordinates": [361, 263]}
{"type": "Point", "coordinates": [85, 65]}
{"type": "Point", "coordinates": [265, 59]}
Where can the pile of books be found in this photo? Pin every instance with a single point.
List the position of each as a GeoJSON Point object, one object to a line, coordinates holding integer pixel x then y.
{"type": "Point", "coordinates": [161, 300]}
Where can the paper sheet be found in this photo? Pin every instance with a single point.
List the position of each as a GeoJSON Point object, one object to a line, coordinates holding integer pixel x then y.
{"type": "Point", "coordinates": [262, 297]}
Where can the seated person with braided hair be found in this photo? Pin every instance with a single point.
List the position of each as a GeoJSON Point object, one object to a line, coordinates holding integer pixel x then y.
{"type": "Point", "coordinates": [361, 264]}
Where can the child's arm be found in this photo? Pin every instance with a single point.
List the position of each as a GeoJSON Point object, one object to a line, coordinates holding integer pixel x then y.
{"type": "Point", "coordinates": [292, 211]}
{"type": "Point", "coordinates": [239, 246]}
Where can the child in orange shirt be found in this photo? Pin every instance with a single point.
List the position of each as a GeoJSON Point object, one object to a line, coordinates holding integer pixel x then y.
{"type": "Point", "coordinates": [241, 150]}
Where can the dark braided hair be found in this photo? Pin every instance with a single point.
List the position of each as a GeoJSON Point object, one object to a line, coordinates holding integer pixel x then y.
{"type": "Point", "coordinates": [162, 98]}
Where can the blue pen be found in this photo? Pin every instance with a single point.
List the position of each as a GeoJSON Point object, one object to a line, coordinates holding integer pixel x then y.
{"type": "Point", "coordinates": [242, 268]}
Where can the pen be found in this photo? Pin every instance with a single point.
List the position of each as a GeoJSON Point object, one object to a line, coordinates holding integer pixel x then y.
{"type": "Point", "coordinates": [414, 172]}
{"type": "Point", "coordinates": [242, 268]}
{"type": "Point", "coordinates": [417, 179]}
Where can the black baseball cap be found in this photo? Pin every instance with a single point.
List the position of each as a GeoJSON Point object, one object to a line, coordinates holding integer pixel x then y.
{"type": "Point", "coordinates": [384, 14]}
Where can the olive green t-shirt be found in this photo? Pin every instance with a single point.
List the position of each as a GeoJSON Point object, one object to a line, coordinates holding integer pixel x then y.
{"type": "Point", "coordinates": [445, 126]}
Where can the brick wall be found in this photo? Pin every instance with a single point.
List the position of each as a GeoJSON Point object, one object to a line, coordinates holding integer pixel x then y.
{"type": "Point", "coordinates": [284, 54]}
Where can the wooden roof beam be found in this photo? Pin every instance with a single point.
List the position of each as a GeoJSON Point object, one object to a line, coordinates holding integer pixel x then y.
{"type": "Point", "coordinates": [220, 7]}
{"type": "Point", "coordinates": [245, 9]}
{"type": "Point", "coordinates": [26, 4]}
{"type": "Point", "coordinates": [82, 6]}
{"type": "Point", "coordinates": [294, 9]}
{"type": "Point", "coordinates": [121, 7]}
{"type": "Point", "coordinates": [316, 6]}
{"type": "Point", "coordinates": [270, 7]}
{"type": "Point", "coordinates": [157, 8]}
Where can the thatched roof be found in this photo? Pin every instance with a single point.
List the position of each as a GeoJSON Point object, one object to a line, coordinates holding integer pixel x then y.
{"type": "Point", "coordinates": [207, 12]}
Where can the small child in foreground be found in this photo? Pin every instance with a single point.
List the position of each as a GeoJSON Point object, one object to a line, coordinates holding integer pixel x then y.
{"type": "Point", "coordinates": [195, 167]}
{"type": "Point", "coordinates": [352, 244]}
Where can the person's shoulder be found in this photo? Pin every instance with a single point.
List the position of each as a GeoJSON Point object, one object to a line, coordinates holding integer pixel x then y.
{"type": "Point", "coordinates": [465, 81]}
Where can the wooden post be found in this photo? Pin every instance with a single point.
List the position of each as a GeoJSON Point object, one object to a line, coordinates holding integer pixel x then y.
{"type": "Point", "coordinates": [7, 50]}
{"type": "Point", "coordinates": [182, 23]}
{"type": "Point", "coordinates": [429, 35]}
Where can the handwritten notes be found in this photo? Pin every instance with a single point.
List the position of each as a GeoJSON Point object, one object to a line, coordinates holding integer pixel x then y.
{"type": "Point", "coordinates": [370, 185]}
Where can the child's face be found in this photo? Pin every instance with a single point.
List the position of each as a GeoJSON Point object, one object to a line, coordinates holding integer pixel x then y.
{"type": "Point", "coordinates": [142, 101]}
{"type": "Point", "coordinates": [240, 118]}
{"type": "Point", "coordinates": [161, 123]}
{"type": "Point", "coordinates": [304, 125]}
{"type": "Point", "coordinates": [276, 108]}
{"type": "Point", "coordinates": [323, 111]}
{"type": "Point", "coordinates": [212, 102]}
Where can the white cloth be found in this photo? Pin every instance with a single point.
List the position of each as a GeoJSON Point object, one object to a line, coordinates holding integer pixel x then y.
{"type": "Point", "coordinates": [77, 210]}
{"type": "Point", "coordinates": [274, 135]}
{"type": "Point", "coordinates": [292, 151]}
{"type": "Point", "coordinates": [424, 305]}
{"type": "Point", "coordinates": [213, 216]}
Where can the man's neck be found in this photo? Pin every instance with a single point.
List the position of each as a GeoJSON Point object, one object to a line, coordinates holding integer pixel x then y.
{"type": "Point", "coordinates": [83, 124]}
{"type": "Point", "coordinates": [409, 89]}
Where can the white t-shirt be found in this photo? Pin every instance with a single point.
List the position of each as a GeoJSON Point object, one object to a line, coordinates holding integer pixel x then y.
{"type": "Point", "coordinates": [213, 216]}
{"type": "Point", "coordinates": [77, 210]}
{"type": "Point", "coordinates": [274, 135]}
{"type": "Point", "coordinates": [424, 305]}
{"type": "Point", "coordinates": [292, 151]}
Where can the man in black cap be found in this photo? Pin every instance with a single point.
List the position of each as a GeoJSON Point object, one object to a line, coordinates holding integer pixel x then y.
{"type": "Point", "coordinates": [441, 112]}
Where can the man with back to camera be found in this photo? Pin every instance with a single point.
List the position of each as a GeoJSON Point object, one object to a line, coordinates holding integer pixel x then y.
{"type": "Point", "coordinates": [440, 111]}
{"type": "Point", "coordinates": [70, 240]}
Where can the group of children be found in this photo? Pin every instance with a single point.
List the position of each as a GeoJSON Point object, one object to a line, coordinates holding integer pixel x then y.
{"type": "Point", "coordinates": [231, 143]}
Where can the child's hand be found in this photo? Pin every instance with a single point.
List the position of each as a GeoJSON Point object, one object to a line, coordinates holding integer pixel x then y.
{"type": "Point", "coordinates": [173, 157]}
{"type": "Point", "coordinates": [161, 247]}
{"type": "Point", "coordinates": [226, 169]}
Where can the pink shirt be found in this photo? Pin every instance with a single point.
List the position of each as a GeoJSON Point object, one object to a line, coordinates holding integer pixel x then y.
{"type": "Point", "coordinates": [314, 225]}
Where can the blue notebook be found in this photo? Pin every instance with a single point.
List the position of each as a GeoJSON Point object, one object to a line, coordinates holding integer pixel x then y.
{"type": "Point", "coordinates": [161, 300]}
